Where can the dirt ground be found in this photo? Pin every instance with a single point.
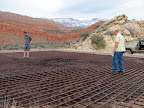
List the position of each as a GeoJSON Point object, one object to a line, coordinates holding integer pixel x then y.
{"type": "Point", "coordinates": [66, 78]}
{"type": "Point", "coordinates": [101, 52]}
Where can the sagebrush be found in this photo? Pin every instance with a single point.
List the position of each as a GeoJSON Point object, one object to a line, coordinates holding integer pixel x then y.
{"type": "Point", "coordinates": [98, 41]}
{"type": "Point", "coordinates": [84, 35]}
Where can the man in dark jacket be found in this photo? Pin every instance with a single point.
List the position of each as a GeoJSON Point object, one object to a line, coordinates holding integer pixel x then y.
{"type": "Point", "coordinates": [27, 44]}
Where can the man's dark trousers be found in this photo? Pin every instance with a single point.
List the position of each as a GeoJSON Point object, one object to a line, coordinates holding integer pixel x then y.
{"type": "Point", "coordinates": [117, 60]}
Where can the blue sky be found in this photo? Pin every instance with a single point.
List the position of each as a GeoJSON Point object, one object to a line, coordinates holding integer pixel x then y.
{"type": "Point", "coordinates": [79, 9]}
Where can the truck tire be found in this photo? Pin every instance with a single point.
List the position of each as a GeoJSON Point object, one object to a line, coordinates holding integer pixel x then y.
{"type": "Point", "coordinates": [128, 52]}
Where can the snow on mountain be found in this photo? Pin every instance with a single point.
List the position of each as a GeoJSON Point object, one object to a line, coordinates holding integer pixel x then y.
{"type": "Point", "coordinates": [71, 22]}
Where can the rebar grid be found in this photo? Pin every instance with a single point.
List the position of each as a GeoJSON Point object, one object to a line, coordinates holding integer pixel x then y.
{"type": "Point", "coordinates": [70, 80]}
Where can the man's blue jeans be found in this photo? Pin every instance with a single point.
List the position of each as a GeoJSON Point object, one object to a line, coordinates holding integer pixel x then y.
{"type": "Point", "coordinates": [117, 60]}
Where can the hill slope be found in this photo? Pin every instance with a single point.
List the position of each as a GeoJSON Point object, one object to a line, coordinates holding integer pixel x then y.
{"type": "Point", "coordinates": [42, 30]}
{"type": "Point", "coordinates": [130, 29]}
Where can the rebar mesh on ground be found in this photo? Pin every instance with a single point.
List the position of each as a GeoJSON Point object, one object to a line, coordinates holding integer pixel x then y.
{"type": "Point", "coordinates": [73, 80]}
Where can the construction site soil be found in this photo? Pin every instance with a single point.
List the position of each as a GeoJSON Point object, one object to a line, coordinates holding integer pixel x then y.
{"type": "Point", "coordinates": [56, 79]}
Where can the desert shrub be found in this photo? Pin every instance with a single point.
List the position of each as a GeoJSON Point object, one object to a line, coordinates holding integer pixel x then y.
{"type": "Point", "coordinates": [59, 31]}
{"type": "Point", "coordinates": [110, 33]}
{"type": "Point", "coordinates": [0, 47]}
{"type": "Point", "coordinates": [97, 26]}
{"type": "Point", "coordinates": [104, 29]}
{"type": "Point", "coordinates": [13, 48]}
{"type": "Point", "coordinates": [98, 41]}
{"type": "Point", "coordinates": [84, 35]}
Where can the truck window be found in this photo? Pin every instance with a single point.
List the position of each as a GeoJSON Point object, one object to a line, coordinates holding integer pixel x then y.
{"type": "Point", "coordinates": [141, 42]}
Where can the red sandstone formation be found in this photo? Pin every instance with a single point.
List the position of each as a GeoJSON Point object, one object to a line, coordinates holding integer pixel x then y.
{"type": "Point", "coordinates": [13, 25]}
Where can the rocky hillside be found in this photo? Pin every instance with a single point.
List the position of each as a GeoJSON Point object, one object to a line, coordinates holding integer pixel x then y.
{"type": "Point", "coordinates": [42, 30]}
{"type": "Point", "coordinates": [131, 30]}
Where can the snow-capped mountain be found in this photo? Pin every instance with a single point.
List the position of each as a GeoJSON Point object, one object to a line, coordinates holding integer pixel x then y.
{"type": "Point", "coordinates": [71, 22]}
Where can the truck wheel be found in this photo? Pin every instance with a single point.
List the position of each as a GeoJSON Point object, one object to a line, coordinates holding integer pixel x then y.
{"type": "Point", "coordinates": [128, 52]}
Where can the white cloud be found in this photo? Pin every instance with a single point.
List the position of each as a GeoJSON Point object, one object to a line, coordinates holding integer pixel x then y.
{"type": "Point", "coordinates": [34, 8]}
{"type": "Point", "coordinates": [134, 4]}
{"type": "Point", "coordinates": [81, 9]}
{"type": "Point", "coordinates": [46, 5]}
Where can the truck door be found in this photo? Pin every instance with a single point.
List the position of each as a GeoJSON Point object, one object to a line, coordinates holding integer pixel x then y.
{"type": "Point", "coordinates": [141, 46]}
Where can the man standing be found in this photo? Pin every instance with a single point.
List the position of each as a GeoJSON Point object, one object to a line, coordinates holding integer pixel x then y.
{"type": "Point", "coordinates": [118, 52]}
{"type": "Point", "coordinates": [27, 44]}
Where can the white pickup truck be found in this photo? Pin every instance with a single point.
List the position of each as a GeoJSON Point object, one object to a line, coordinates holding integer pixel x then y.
{"type": "Point", "coordinates": [135, 47]}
